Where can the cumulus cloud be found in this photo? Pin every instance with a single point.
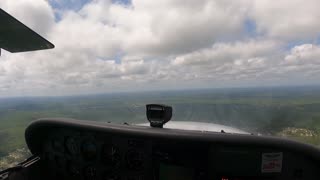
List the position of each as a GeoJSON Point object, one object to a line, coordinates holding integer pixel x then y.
{"type": "Point", "coordinates": [103, 46]}
{"type": "Point", "coordinates": [36, 14]}
{"type": "Point", "coordinates": [303, 61]}
{"type": "Point", "coordinates": [304, 54]}
{"type": "Point", "coordinates": [229, 61]}
{"type": "Point", "coordinates": [222, 53]}
{"type": "Point", "coordinates": [287, 19]}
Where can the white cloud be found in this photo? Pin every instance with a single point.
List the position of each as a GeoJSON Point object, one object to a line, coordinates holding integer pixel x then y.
{"type": "Point", "coordinates": [222, 53]}
{"type": "Point", "coordinates": [36, 14]}
{"type": "Point", "coordinates": [172, 27]}
{"type": "Point", "coordinates": [106, 47]}
{"type": "Point", "coordinates": [304, 54]}
{"type": "Point", "coordinates": [227, 62]}
{"type": "Point", "coordinates": [287, 19]}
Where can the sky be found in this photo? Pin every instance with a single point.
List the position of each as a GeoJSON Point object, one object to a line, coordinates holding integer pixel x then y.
{"type": "Point", "coordinates": [104, 46]}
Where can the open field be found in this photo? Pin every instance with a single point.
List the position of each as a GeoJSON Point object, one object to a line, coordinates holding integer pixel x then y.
{"type": "Point", "coordinates": [287, 112]}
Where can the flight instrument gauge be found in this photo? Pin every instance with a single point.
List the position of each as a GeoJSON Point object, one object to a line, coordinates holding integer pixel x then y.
{"type": "Point", "coordinates": [111, 156]}
{"type": "Point", "coordinates": [72, 146]}
{"type": "Point", "coordinates": [89, 150]}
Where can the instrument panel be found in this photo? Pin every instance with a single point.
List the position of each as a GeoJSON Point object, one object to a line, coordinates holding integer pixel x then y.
{"type": "Point", "coordinates": [83, 155]}
{"type": "Point", "coordinates": [115, 152]}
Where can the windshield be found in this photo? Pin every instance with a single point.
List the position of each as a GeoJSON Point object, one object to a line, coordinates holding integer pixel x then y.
{"type": "Point", "coordinates": [249, 65]}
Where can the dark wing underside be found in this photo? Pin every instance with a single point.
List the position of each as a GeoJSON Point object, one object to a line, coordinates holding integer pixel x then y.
{"type": "Point", "coordinates": [17, 37]}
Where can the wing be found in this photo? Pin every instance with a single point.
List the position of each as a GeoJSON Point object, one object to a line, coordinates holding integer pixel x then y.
{"type": "Point", "coordinates": [17, 37]}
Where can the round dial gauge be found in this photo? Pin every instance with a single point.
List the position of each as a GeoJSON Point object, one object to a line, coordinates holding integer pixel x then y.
{"type": "Point", "coordinates": [57, 144]}
{"type": "Point", "coordinates": [111, 156]}
{"type": "Point", "coordinates": [71, 145]}
{"type": "Point", "coordinates": [89, 150]}
{"type": "Point", "coordinates": [134, 159]}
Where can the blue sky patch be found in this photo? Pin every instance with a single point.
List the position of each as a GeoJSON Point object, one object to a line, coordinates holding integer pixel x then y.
{"type": "Point", "coordinates": [76, 5]}
{"type": "Point", "coordinates": [62, 5]}
{"type": "Point", "coordinates": [292, 44]}
{"type": "Point", "coordinates": [250, 27]}
{"type": "Point", "coordinates": [125, 2]}
{"type": "Point", "coordinates": [68, 4]}
{"type": "Point", "coordinates": [117, 57]}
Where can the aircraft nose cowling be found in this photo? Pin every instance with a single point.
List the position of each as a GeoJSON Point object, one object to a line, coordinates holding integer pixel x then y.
{"type": "Point", "coordinates": [200, 126]}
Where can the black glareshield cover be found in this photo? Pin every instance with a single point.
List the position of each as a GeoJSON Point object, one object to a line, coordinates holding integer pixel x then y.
{"type": "Point", "coordinates": [158, 114]}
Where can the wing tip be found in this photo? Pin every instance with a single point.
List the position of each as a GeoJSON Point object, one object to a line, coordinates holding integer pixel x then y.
{"type": "Point", "coordinates": [13, 45]}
